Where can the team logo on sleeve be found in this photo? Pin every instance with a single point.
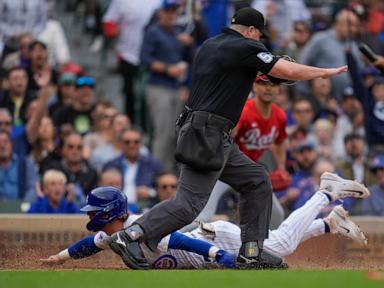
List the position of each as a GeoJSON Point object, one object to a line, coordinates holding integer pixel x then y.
{"type": "Point", "coordinates": [265, 57]}
{"type": "Point", "coordinates": [165, 262]}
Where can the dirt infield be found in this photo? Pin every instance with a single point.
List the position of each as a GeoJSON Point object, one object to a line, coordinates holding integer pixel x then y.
{"type": "Point", "coordinates": [325, 252]}
{"type": "Point", "coordinates": [23, 241]}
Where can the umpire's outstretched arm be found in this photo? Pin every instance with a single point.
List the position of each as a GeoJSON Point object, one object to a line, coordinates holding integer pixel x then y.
{"type": "Point", "coordinates": [293, 71]}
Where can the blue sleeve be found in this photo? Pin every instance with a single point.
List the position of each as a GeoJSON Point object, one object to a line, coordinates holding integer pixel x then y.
{"type": "Point", "coordinates": [361, 92]}
{"type": "Point", "coordinates": [148, 47]}
{"type": "Point", "coordinates": [31, 179]}
{"type": "Point", "coordinates": [84, 248]}
{"type": "Point", "coordinates": [35, 207]}
{"type": "Point", "coordinates": [182, 242]}
{"type": "Point", "coordinates": [73, 209]}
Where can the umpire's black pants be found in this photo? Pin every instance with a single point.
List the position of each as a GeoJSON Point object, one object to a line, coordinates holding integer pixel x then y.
{"type": "Point", "coordinates": [240, 172]}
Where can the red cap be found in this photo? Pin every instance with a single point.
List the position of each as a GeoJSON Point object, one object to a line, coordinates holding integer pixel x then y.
{"type": "Point", "coordinates": [262, 77]}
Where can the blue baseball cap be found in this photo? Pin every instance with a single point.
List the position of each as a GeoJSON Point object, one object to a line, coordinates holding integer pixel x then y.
{"type": "Point", "coordinates": [377, 163]}
{"type": "Point", "coordinates": [305, 144]}
{"type": "Point", "coordinates": [170, 4]}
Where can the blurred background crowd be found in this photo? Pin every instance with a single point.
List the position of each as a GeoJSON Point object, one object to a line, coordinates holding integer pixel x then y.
{"type": "Point", "coordinates": [90, 90]}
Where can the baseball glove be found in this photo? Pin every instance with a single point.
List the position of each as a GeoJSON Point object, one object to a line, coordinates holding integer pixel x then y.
{"type": "Point", "coordinates": [280, 179]}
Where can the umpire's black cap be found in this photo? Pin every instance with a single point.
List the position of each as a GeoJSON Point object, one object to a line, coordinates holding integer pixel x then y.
{"type": "Point", "coordinates": [250, 17]}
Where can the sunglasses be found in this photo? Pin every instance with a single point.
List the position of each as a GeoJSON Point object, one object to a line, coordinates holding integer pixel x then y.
{"type": "Point", "coordinates": [78, 147]}
{"type": "Point", "coordinates": [5, 123]}
{"type": "Point", "coordinates": [128, 142]}
{"type": "Point", "coordinates": [85, 81]}
{"type": "Point", "coordinates": [166, 186]}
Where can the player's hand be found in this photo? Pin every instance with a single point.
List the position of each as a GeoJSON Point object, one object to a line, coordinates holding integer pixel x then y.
{"type": "Point", "coordinates": [336, 71]}
{"type": "Point", "coordinates": [53, 259]}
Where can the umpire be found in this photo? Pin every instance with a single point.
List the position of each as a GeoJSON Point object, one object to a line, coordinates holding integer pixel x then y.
{"type": "Point", "coordinates": [224, 70]}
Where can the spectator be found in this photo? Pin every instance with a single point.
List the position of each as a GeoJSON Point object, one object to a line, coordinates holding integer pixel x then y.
{"type": "Point", "coordinates": [76, 169]}
{"type": "Point", "coordinates": [66, 93]}
{"type": "Point", "coordinates": [355, 165]}
{"type": "Point", "coordinates": [302, 184]}
{"type": "Point", "coordinates": [372, 100]}
{"type": "Point", "coordinates": [112, 149]}
{"type": "Point", "coordinates": [44, 143]}
{"type": "Point", "coordinates": [126, 20]}
{"type": "Point", "coordinates": [303, 115]}
{"type": "Point", "coordinates": [299, 37]}
{"type": "Point", "coordinates": [326, 49]}
{"type": "Point", "coordinates": [192, 22]}
{"type": "Point", "coordinates": [17, 17]}
{"type": "Point", "coordinates": [282, 15]}
{"type": "Point", "coordinates": [39, 63]}
{"type": "Point", "coordinates": [166, 186]}
{"type": "Point", "coordinates": [373, 205]}
{"type": "Point", "coordinates": [53, 199]}
{"type": "Point", "coordinates": [163, 53]}
{"type": "Point", "coordinates": [324, 132]}
{"type": "Point", "coordinates": [78, 115]}
{"type": "Point", "coordinates": [102, 133]}
{"type": "Point", "coordinates": [113, 177]}
{"type": "Point", "coordinates": [20, 58]}
{"type": "Point", "coordinates": [17, 174]}
{"type": "Point", "coordinates": [321, 97]}
{"type": "Point", "coordinates": [17, 98]}
{"type": "Point", "coordinates": [24, 135]}
{"type": "Point", "coordinates": [139, 172]}
{"type": "Point", "coordinates": [54, 37]}
{"type": "Point", "coordinates": [351, 119]}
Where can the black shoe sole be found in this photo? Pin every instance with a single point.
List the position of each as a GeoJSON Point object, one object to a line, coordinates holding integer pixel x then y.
{"type": "Point", "coordinates": [261, 266]}
{"type": "Point", "coordinates": [128, 258]}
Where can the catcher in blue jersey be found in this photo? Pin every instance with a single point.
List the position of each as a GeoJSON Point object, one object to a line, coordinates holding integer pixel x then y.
{"type": "Point", "coordinates": [216, 244]}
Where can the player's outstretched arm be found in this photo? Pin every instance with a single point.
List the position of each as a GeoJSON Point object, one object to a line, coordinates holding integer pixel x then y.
{"type": "Point", "coordinates": [284, 69]}
{"type": "Point", "coordinates": [86, 247]}
{"type": "Point", "coordinates": [180, 241]}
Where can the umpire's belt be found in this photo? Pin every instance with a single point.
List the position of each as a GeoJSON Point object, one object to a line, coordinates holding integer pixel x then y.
{"type": "Point", "coordinates": [210, 119]}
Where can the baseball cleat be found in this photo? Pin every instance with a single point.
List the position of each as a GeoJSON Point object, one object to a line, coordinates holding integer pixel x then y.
{"type": "Point", "coordinates": [129, 250]}
{"type": "Point", "coordinates": [340, 223]}
{"type": "Point", "coordinates": [264, 260]}
{"type": "Point", "coordinates": [339, 188]}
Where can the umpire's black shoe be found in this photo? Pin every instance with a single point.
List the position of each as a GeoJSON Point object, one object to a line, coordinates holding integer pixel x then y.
{"type": "Point", "coordinates": [253, 257]}
{"type": "Point", "coordinates": [129, 250]}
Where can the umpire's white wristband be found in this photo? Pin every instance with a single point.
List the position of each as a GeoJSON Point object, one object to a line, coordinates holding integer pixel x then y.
{"type": "Point", "coordinates": [64, 255]}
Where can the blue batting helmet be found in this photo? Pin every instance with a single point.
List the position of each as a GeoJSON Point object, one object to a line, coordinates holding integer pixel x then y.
{"type": "Point", "coordinates": [109, 203]}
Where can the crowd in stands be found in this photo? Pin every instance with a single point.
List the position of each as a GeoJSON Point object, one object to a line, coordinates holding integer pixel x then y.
{"type": "Point", "coordinates": [59, 139]}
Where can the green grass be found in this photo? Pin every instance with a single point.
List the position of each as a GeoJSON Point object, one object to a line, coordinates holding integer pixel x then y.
{"type": "Point", "coordinates": [186, 279]}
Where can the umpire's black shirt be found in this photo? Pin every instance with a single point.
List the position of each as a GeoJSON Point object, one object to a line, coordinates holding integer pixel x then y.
{"type": "Point", "coordinates": [224, 70]}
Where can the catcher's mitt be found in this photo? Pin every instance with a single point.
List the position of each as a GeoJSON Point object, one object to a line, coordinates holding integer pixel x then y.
{"type": "Point", "coordinates": [280, 179]}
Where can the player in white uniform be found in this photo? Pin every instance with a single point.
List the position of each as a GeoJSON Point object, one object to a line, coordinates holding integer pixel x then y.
{"type": "Point", "coordinates": [224, 236]}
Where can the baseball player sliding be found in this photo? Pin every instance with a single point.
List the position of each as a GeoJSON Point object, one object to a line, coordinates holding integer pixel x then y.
{"type": "Point", "coordinates": [216, 244]}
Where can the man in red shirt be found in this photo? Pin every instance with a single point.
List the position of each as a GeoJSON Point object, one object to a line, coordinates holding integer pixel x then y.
{"type": "Point", "coordinates": [262, 124]}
